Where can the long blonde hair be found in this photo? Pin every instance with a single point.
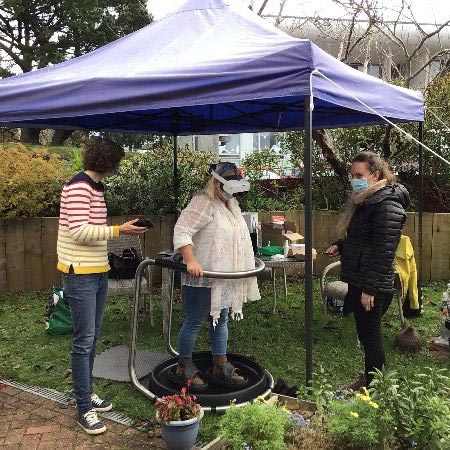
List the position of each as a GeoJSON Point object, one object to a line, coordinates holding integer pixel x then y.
{"type": "Point", "coordinates": [210, 189]}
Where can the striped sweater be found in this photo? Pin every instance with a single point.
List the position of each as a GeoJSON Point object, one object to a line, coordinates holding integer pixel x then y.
{"type": "Point", "coordinates": [83, 232]}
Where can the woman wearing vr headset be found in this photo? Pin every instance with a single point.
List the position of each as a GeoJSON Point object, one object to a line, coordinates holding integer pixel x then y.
{"type": "Point", "coordinates": [211, 234]}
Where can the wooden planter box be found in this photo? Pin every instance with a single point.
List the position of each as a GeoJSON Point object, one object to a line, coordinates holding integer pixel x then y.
{"type": "Point", "coordinates": [291, 403]}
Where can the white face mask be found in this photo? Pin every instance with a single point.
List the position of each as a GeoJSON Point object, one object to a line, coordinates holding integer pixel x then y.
{"type": "Point", "coordinates": [225, 195]}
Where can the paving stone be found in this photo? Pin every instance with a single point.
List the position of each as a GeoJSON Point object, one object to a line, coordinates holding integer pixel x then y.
{"type": "Point", "coordinates": [12, 446]}
{"type": "Point", "coordinates": [28, 397]}
{"type": "Point", "coordinates": [31, 442]}
{"type": "Point", "coordinates": [13, 437]}
{"type": "Point", "coordinates": [65, 421]}
{"type": "Point", "coordinates": [44, 412]}
{"type": "Point", "coordinates": [43, 429]}
{"type": "Point", "coordinates": [29, 422]}
{"type": "Point", "coordinates": [10, 390]}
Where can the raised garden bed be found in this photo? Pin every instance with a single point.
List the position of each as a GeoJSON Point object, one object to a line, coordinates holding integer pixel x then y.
{"type": "Point", "coordinates": [306, 409]}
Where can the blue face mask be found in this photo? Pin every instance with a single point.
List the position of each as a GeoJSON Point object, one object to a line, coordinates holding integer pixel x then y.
{"type": "Point", "coordinates": [359, 185]}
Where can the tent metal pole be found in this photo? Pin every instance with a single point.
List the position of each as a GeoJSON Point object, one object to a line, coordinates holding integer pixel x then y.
{"type": "Point", "coordinates": [421, 204]}
{"type": "Point", "coordinates": [176, 181]}
{"type": "Point", "coordinates": [307, 161]}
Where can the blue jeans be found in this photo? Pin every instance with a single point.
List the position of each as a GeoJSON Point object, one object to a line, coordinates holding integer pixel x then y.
{"type": "Point", "coordinates": [197, 306]}
{"type": "Point", "coordinates": [87, 298]}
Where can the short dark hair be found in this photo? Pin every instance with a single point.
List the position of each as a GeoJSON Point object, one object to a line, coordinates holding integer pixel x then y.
{"type": "Point", "coordinates": [102, 155]}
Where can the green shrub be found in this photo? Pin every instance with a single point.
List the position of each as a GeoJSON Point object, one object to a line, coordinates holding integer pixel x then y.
{"type": "Point", "coordinates": [30, 182]}
{"type": "Point", "coordinates": [357, 423]}
{"type": "Point", "coordinates": [257, 426]}
{"type": "Point", "coordinates": [144, 183]}
{"type": "Point", "coordinates": [420, 406]}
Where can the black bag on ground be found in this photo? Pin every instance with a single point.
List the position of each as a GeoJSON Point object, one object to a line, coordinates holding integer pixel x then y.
{"type": "Point", "coordinates": [124, 266]}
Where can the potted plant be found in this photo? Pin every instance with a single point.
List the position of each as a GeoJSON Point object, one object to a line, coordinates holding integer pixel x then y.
{"type": "Point", "coordinates": [180, 416]}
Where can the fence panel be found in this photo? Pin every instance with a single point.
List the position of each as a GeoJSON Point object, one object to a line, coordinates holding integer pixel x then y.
{"type": "Point", "coordinates": [28, 247]}
{"type": "Point", "coordinates": [440, 248]}
{"type": "Point", "coordinates": [51, 276]}
{"type": "Point", "coordinates": [3, 282]}
{"type": "Point", "coordinates": [15, 254]}
{"type": "Point", "coordinates": [33, 268]}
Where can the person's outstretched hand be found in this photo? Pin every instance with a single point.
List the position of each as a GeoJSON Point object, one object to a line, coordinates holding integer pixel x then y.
{"type": "Point", "coordinates": [129, 228]}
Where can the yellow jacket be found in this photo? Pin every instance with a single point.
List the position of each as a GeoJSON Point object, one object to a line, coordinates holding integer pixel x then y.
{"type": "Point", "coordinates": [405, 266]}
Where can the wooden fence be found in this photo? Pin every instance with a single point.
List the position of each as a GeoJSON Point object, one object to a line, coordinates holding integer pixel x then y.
{"type": "Point", "coordinates": [28, 247]}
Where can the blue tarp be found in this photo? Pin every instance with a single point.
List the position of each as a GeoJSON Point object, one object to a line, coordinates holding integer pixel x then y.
{"type": "Point", "coordinates": [212, 66]}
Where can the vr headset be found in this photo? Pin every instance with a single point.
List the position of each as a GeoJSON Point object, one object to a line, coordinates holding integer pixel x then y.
{"type": "Point", "coordinates": [235, 185]}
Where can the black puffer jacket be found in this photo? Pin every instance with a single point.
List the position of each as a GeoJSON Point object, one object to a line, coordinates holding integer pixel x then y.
{"type": "Point", "coordinates": [368, 252]}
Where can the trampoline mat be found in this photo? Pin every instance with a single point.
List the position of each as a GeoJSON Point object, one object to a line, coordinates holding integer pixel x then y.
{"type": "Point", "coordinates": [112, 364]}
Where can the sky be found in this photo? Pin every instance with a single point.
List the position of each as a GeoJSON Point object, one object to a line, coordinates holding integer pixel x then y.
{"type": "Point", "coordinates": [425, 11]}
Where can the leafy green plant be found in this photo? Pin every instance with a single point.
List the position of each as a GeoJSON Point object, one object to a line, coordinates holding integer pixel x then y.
{"type": "Point", "coordinates": [353, 424]}
{"type": "Point", "coordinates": [257, 426]}
{"type": "Point", "coordinates": [321, 392]}
{"type": "Point", "coordinates": [178, 407]}
{"type": "Point", "coordinates": [76, 160]}
{"type": "Point", "coordinates": [30, 182]}
{"type": "Point", "coordinates": [419, 405]}
{"type": "Point", "coordinates": [144, 183]}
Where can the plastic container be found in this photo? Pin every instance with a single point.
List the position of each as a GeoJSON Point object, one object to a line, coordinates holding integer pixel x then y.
{"type": "Point", "coordinates": [286, 248]}
{"type": "Point", "coordinates": [271, 250]}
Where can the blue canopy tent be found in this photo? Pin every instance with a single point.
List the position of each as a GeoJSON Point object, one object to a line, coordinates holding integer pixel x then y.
{"type": "Point", "coordinates": [212, 66]}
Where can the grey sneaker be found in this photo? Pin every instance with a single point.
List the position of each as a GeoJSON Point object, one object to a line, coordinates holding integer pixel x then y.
{"type": "Point", "coordinates": [90, 423]}
{"type": "Point", "coordinates": [99, 404]}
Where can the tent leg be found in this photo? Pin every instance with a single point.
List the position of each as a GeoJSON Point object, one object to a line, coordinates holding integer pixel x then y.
{"type": "Point", "coordinates": [176, 181]}
{"type": "Point", "coordinates": [307, 170]}
{"type": "Point", "coordinates": [421, 203]}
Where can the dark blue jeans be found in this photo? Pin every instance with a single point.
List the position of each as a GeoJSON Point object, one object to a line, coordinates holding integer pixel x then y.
{"type": "Point", "coordinates": [197, 305]}
{"type": "Point", "coordinates": [87, 298]}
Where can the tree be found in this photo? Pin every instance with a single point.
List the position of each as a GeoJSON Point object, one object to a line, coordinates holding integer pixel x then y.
{"type": "Point", "coordinates": [38, 33]}
{"type": "Point", "coordinates": [363, 32]}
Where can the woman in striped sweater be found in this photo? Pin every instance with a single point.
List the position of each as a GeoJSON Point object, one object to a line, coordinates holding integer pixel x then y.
{"type": "Point", "coordinates": [83, 258]}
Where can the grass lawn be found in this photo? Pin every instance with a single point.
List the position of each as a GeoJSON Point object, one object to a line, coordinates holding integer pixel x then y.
{"type": "Point", "coordinates": [277, 341]}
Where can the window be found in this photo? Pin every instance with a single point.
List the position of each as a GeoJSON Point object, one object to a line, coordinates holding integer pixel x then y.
{"type": "Point", "coordinates": [265, 140]}
{"type": "Point", "coordinates": [229, 144]}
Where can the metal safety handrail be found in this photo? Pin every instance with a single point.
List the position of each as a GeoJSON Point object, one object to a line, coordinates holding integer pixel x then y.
{"type": "Point", "coordinates": [171, 264]}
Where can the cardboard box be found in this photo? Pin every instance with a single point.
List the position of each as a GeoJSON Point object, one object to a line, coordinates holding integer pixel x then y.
{"type": "Point", "coordinates": [277, 233]}
{"type": "Point", "coordinates": [298, 252]}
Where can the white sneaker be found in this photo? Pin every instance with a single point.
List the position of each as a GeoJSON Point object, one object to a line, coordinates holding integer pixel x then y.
{"type": "Point", "coordinates": [99, 404]}
{"type": "Point", "coordinates": [90, 423]}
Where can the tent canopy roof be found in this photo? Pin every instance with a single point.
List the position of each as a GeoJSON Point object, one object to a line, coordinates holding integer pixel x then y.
{"type": "Point", "coordinates": [212, 66]}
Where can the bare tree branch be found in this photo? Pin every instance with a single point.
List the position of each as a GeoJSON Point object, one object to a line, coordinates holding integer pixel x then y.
{"type": "Point", "coordinates": [262, 7]}
{"type": "Point", "coordinates": [280, 12]}
{"type": "Point", "coordinates": [428, 36]}
{"type": "Point", "coordinates": [325, 142]}
{"type": "Point", "coordinates": [428, 62]}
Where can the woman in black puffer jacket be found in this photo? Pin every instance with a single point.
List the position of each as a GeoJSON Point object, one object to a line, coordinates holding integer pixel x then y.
{"type": "Point", "coordinates": [371, 227]}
